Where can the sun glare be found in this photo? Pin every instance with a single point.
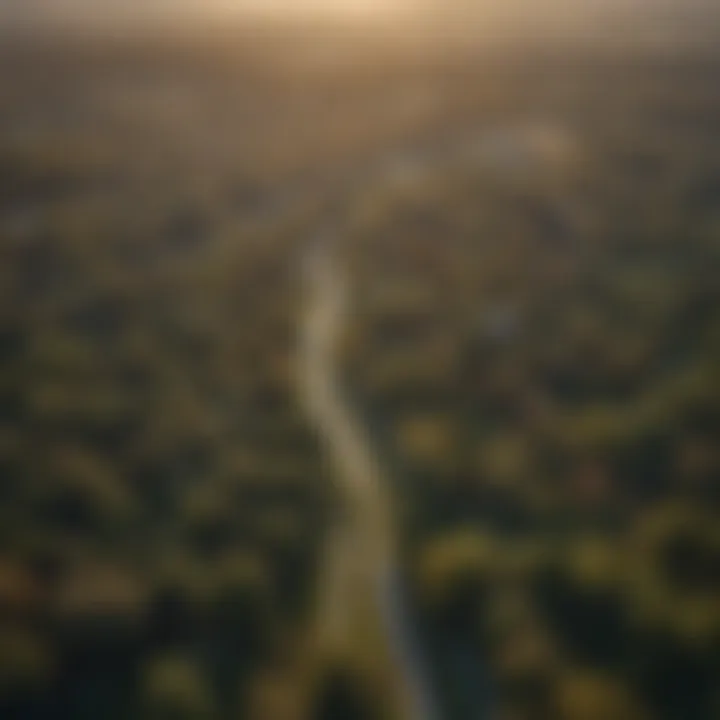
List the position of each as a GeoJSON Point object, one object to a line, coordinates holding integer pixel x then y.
{"type": "Point", "coordinates": [322, 9]}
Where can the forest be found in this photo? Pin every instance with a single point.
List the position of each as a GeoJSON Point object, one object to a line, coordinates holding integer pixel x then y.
{"type": "Point", "coordinates": [533, 241]}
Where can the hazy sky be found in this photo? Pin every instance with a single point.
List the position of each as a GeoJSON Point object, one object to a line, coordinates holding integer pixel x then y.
{"type": "Point", "coordinates": [475, 13]}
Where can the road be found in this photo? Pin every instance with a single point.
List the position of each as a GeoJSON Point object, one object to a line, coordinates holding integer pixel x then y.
{"type": "Point", "coordinates": [361, 609]}
{"type": "Point", "coordinates": [362, 614]}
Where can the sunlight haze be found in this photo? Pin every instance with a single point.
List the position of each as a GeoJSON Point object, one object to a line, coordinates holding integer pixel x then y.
{"type": "Point", "coordinates": [623, 21]}
{"type": "Point", "coordinates": [469, 15]}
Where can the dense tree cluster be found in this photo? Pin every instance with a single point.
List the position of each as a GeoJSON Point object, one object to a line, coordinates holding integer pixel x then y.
{"type": "Point", "coordinates": [538, 352]}
{"type": "Point", "coordinates": [534, 346]}
{"type": "Point", "coordinates": [161, 494]}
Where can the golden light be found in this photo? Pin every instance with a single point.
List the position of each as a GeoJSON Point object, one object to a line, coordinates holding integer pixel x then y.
{"type": "Point", "coordinates": [341, 10]}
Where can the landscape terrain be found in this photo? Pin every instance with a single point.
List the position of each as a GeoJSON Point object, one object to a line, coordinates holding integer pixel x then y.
{"type": "Point", "coordinates": [525, 370]}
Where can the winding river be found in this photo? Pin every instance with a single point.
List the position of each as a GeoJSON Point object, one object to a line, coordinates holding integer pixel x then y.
{"type": "Point", "coordinates": [360, 597]}
{"type": "Point", "coordinates": [361, 594]}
